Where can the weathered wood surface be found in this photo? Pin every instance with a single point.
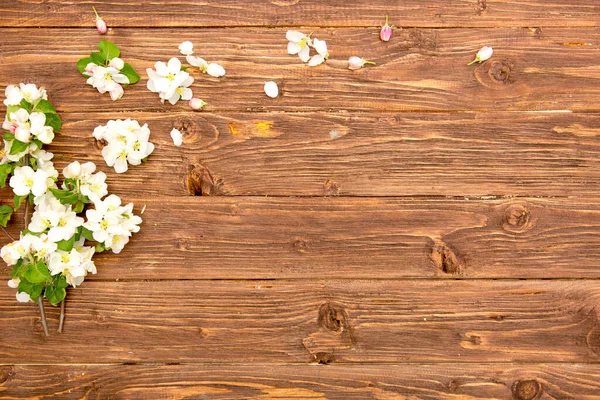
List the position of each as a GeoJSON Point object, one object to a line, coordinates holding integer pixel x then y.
{"type": "Point", "coordinates": [277, 381]}
{"type": "Point", "coordinates": [406, 154]}
{"type": "Point", "coordinates": [436, 13]}
{"type": "Point", "coordinates": [342, 321]}
{"type": "Point", "coordinates": [421, 70]}
{"type": "Point", "coordinates": [271, 238]}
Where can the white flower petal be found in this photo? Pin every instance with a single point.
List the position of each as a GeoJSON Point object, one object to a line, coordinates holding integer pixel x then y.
{"type": "Point", "coordinates": [186, 48]}
{"type": "Point", "coordinates": [293, 48]}
{"type": "Point", "coordinates": [316, 60]}
{"type": "Point", "coordinates": [294, 36]}
{"type": "Point", "coordinates": [271, 89]}
{"type": "Point", "coordinates": [177, 137]}
{"type": "Point", "coordinates": [304, 53]}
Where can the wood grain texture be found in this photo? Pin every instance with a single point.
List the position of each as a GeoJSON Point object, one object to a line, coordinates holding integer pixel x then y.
{"type": "Point", "coordinates": [346, 321]}
{"type": "Point", "coordinates": [478, 381]}
{"type": "Point", "coordinates": [420, 70]}
{"type": "Point", "coordinates": [336, 154]}
{"type": "Point", "coordinates": [437, 13]}
{"type": "Point", "coordinates": [271, 238]}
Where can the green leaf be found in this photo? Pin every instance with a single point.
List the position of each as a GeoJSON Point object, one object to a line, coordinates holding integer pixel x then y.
{"type": "Point", "coordinates": [5, 214]}
{"type": "Point", "coordinates": [100, 247]}
{"type": "Point", "coordinates": [5, 170]}
{"type": "Point", "coordinates": [61, 282]}
{"type": "Point", "coordinates": [44, 106]}
{"type": "Point", "coordinates": [8, 137]}
{"type": "Point", "coordinates": [12, 109]}
{"type": "Point", "coordinates": [55, 294]}
{"type": "Point", "coordinates": [64, 196]}
{"type": "Point", "coordinates": [18, 147]}
{"type": "Point", "coordinates": [18, 200]}
{"type": "Point", "coordinates": [97, 58]}
{"type": "Point", "coordinates": [130, 73]}
{"type": "Point", "coordinates": [78, 207]}
{"type": "Point", "coordinates": [54, 121]}
{"type": "Point", "coordinates": [18, 269]}
{"type": "Point", "coordinates": [32, 289]}
{"type": "Point", "coordinates": [37, 273]}
{"type": "Point", "coordinates": [26, 105]}
{"type": "Point", "coordinates": [66, 245]}
{"type": "Point", "coordinates": [108, 50]}
{"type": "Point", "coordinates": [87, 234]}
{"type": "Point", "coordinates": [81, 64]}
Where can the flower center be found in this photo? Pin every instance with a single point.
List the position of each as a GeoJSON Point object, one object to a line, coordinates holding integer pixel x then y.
{"type": "Point", "coordinates": [62, 222]}
{"type": "Point", "coordinates": [108, 77]}
{"type": "Point", "coordinates": [179, 90]}
{"type": "Point", "coordinates": [65, 258]}
{"type": "Point", "coordinates": [171, 76]}
{"type": "Point", "coordinates": [104, 225]}
{"type": "Point", "coordinates": [29, 182]}
{"type": "Point", "coordinates": [137, 146]}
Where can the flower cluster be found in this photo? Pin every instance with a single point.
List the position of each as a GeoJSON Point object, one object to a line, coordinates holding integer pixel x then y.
{"type": "Point", "coordinates": [172, 81]}
{"type": "Point", "coordinates": [106, 71]}
{"type": "Point", "coordinates": [299, 43]}
{"type": "Point", "coordinates": [126, 142]}
{"type": "Point", "coordinates": [51, 254]}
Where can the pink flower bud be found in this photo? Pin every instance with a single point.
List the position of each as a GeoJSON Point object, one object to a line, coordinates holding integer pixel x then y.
{"type": "Point", "coordinates": [197, 104]}
{"type": "Point", "coordinates": [386, 31]}
{"type": "Point", "coordinates": [357, 62]}
{"type": "Point", "coordinates": [13, 128]}
{"type": "Point", "coordinates": [101, 26]}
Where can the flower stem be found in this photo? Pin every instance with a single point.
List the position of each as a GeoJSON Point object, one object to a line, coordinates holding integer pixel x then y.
{"type": "Point", "coordinates": [369, 62]}
{"type": "Point", "coordinates": [97, 16]}
{"type": "Point", "coordinates": [40, 302]}
{"type": "Point", "coordinates": [62, 315]}
{"type": "Point", "coordinates": [474, 61]}
{"type": "Point", "coordinates": [386, 20]}
{"type": "Point", "coordinates": [7, 234]}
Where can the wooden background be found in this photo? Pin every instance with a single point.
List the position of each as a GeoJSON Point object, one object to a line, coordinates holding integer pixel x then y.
{"type": "Point", "coordinates": [444, 245]}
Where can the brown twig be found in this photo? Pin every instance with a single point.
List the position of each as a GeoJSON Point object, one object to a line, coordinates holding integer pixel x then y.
{"type": "Point", "coordinates": [7, 234]}
{"type": "Point", "coordinates": [40, 302]}
{"type": "Point", "coordinates": [62, 316]}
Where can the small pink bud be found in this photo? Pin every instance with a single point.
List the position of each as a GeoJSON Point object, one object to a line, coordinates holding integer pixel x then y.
{"type": "Point", "coordinates": [197, 104]}
{"type": "Point", "coordinates": [357, 62]}
{"type": "Point", "coordinates": [13, 128]}
{"type": "Point", "coordinates": [386, 31]}
{"type": "Point", "coordinates": [100, 24]}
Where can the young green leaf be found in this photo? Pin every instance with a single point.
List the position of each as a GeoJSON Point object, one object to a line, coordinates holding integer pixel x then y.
{"type": "Point", "coordinates": [18, 200]}
{"type": "Point", "coordinates": [18, 147]}
{"type": "Point", "coordinates": [87, 234]}
{"type": "Point", "coordinates": [81, 64]}
{"type": "Point", "coordinates": [26, 105]}
{"type": "Point", "coordinates": [64, 196]}
{"type": "Point", "coordinates": [5, 214]}
{"type": "Point", "coordinates": [18, 269]}
{"type": "Point", "coordinates": [32, 289]}
{"type": "Point", "coordinates": [78, 207]}
{"type": "Point", "coordinates": [97, 58]}
{"type": "Point", "coordinates": [66, 245]}
{"type": "Point", "coordinates": [45, 107]}
{"type": "Point", "coordinates": [37, 273]}
{"type": "Point", "coordinates": [100, 247]}
{"type": "Point", "coordinates": [8, 137]}
{"type": "Point", "coordinates": [130, 73]}
{"type": "Point", "coordinates": [108, 50]}
{"type": "Point", "coordinates": [54, 121]}
{"type": "Point", "coordinates": [55, 294]}
{"type": "Point", "coordinates": [5, 170]}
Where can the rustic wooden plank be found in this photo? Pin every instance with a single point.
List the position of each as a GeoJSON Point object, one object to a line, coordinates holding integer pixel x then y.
{"type": "Point", "coordinates": [346, 321]}
{"type": "Point", "coordinates": [463, 154]}
{"type": "Point", "coordinates": [421, 70]}
{"type": "Point", "coordinates": [477, 381]}
{"type": "Point", "coordinates": [437, 13]}
{"type": "Point", "coordinates": [270, 238]}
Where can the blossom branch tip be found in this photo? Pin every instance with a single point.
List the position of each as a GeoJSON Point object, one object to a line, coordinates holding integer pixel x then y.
{"type": "Point", "coordinates": [40, 302]}
{"type": "Point", "coordinates": [62, 316]}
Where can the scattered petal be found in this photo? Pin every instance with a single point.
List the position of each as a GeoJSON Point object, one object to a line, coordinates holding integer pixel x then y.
{"type": "Point", "coordinates": [186, 48]}
{"type": "Point", "coordinates": [177, 137]}
{"type": "Point", "coordinates": [271, 89]}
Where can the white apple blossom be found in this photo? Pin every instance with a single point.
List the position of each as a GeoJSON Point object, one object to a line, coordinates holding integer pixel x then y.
{"type": "Point", "coordinates": [28, 92]}
{"type": "Point", "coordinates": [299, 43]}
{"type": "Point", "coordinates": [58, 220]}
{"type": "Point", "coordinates": [107, 79]}
{"type": "Point", "coordinates": [186, 48]}
{"type": "Point", "coordinates": [127, 142]}
{"type": "Point", "coordinates": [484, 54]}
{"type": "Point", "coordinates": [322, 53]}
{"type": "Point", "coordinates": [89, 184]}
{"type": "Point", "coordinates": [169, 81]}
{"type": "Point", "coordinates": [24, 125]}
{"type": "Point", "coordinates": [25, 180]}
{"type": "Point", "coordinates": [177, 137]}
{"type": "Point", "coordinates": [271, 89]}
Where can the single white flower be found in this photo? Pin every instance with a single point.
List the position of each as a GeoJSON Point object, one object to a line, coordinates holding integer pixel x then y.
{"type": "Point", "coordinates": [13, 95]}
{"type": "Point", "coordinates": [186, 48]}
{"type": "Point", "coordinates": [128, 142]}
{"type": "Point", "coordinates": [13, 252]}
{"type": "Point", "coordinates": [321, 48]}
{"type": "Point", "coordinates": [25, 180]}
{"type": "Point", "coordinates": [299, 44]}
{"type": "Point", "coordinates": [213, 69]}
{"type": "Point", "coordinates": [271, 89]}
{"type": "Point", "coordinates": [23, 297]}
{"type": "Point", "coordinates": [31, 93]}
{"type": "Point", "coordinates": [169, 81]}
{"type": "Point", "coordinates": [106, 79]}
{"type": "Point", "coordinates": [104, 220]}
{"type": "Point", "coordinates": [177, 137]}
{"type": "Point", "coordinates": [484, 54]}
{"type": "Point", "coordinates": [24, 124]}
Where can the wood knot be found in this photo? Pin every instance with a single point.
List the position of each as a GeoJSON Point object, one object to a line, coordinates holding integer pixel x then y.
{"type": "Point", "coordinates": [6, 373]}
{"type": "Point", "coordinates": [301, 246]}
{"type": "Point", "coordinates": [445, 259]}
{"type": "Point", "coordinates": [500, 72]}
{"type": "Point", "coordinates": [201, 182]}
{"type": "Point", "coordinates": [188, 129]}
{"type": "Point", "coordinates": [333, 317]}
{"type": "Point", "coordinates": [323, 357]}
{"type": "Point", "coordinates": [526, 390]}
{"type": "Point", "coordinates": [516, 219]}
{"type": "Point", "coordinates": [481, 6]}
{"type": "Point", "coordinates": [331, 188]}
